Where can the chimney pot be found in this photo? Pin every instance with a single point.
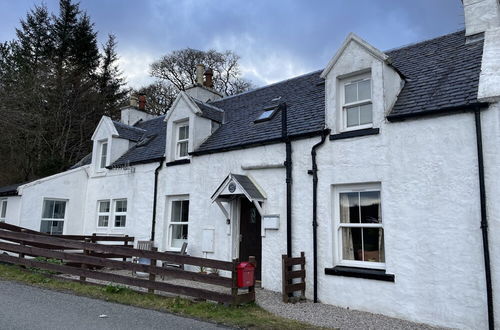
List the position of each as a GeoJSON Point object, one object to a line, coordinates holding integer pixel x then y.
{"type": "Point", "coordinates": [208, 78]}
{"type": "Point", "coordinates": [142, 102]}
{"type": "Point", "coordinates": [200, 68]}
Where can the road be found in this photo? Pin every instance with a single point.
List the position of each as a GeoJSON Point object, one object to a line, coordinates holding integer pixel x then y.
{"type": "Point", "coordinates": [27, 307]}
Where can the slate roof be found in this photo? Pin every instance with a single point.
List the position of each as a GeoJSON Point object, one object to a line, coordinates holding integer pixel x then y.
{"type": "Point", "coordinates": [84, 161]}
{"type": "Point", "coordinates": [210, 111]}
{"type": "Point", "coordinates": [249, 186]}
{"type": "Point", "coordinates": [10, 190]}
{"type": "Point", "coordinates": [441, 73]}
{"type": "Point", "coordinates": [304, 97]}
{"type": "Point", "coordinates": [131, 133]}
{"type": "Point", "coordinates": [150, 147]}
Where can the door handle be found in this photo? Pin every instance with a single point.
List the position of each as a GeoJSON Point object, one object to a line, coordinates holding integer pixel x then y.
{"type": "Point", "coordinates": [241, 238]}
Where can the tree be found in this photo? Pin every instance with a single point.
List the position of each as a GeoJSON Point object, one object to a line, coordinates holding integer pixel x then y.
{"type": "Point", "coordinates": [160, 96]}
{"type": "Point", "coordinates": [55, 85]}
{"type": "Point", "coordinates": [176, 72]}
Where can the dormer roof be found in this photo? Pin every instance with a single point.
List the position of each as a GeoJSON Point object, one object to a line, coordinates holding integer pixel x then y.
{"type": "Point", "coordinates": [350, 39]}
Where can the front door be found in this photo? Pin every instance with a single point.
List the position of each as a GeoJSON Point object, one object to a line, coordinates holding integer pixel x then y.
{"type": "Point", "coordinates": [250, 237]}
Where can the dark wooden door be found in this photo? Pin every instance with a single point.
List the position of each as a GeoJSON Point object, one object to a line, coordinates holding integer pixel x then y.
{"type": "Point", "coordinates": [250, 239]}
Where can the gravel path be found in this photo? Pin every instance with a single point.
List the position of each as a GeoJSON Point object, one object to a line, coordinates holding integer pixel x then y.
{"type": "Point", "coordinates": [331, 316]}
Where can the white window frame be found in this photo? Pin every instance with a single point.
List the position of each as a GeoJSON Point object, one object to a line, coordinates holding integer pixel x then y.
{"type": "Point", "coordinates": [63, 220]}
{"type": "Point", "coordinates": [108, 214]}
{"type": "Point", "coordinates": [3, 209]}
{"type": "Point", "coordinates": [116, 213]}
{"type": "Point", "coordinates": [178, 141]}
{"type": "Point", "coordinates": [101, 156]}
{"type": "Point", "coordinates": [337, 225]}
{"type": "Point", "coordinates": [343, 109]}
{"type": "Point", "coordinates": [171, 224]}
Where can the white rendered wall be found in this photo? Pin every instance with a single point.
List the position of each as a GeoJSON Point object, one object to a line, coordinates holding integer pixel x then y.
{"type": "Point", "coordinates": [134, 184]}
{"type": "Point", "coordinates": [70, 186]}
{"type": "Point", "coordinates": [13, 209]}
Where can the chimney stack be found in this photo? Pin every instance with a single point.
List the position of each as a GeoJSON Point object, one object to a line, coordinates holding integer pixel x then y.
{"type": "Point", "coordinates": [200, 68]}
{"type": "Point", "coordinates": [481, 15]}
{"type": "Point", "coordinates": [133, 100]}
{"type": "Point", "coordinates": [208, 78]}
{"type": "Point", "coordinates": [142, 102]}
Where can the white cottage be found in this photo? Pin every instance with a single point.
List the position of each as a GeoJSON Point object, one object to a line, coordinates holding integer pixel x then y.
{"type": "Point", "coordinates": [383, 168]}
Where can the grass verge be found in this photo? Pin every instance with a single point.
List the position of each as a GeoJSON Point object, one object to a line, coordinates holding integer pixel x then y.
{"type": "Point", "coordinates": [247, 316]}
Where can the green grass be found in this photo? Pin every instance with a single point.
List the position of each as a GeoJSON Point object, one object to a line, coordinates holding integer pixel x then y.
{"type": "Point", "coordinates": [247, 316]}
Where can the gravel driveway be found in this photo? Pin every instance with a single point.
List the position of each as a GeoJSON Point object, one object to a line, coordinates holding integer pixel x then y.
{"type": "Point", "coordinates": [331, 316]}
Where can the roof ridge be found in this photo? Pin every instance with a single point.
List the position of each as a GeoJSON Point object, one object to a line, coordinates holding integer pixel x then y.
{"type": "Point", "coordinates": [422, 41]}
{"type": "Point", "coordinates": [266, 86]}
{"type": "Point", "coordinates": [128, 126]}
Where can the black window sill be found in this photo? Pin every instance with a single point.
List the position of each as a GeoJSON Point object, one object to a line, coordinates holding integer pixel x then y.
{"type": "Point", "coordinates": [371, 274]}
{"type": "Point", "coordinates": [352, 134]}
{"type": "Point", "coordinates": [178, 162]}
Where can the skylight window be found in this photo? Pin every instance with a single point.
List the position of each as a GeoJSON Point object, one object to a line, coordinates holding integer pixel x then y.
{"type": "Point", "coordinates": [267, 114]}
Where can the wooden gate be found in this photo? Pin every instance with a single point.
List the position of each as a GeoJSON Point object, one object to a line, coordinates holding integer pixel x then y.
{"type": "Point", "coordinates": [293, 269]}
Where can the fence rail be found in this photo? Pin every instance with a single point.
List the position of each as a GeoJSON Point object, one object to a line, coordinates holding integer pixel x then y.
{"type": "Point", "coordinates": [35, 244]}
{"type": "Point", "coordinates": [290, 274]}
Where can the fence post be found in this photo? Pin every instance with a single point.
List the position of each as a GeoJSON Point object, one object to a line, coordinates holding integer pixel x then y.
{"type": "Point", "coordinates": [234, 277]}
{"type": "Point", "coordinates": [152, 277]}
{"type": "Point", "coordinates": [125, 244]}
{"type": "Point", "coordinates": [85, 252]}
{"type": "Point", "coordinates": [303, 268]}
{"type": "Point", "coordinates": [284, 280]}
{"type": "Point", "coordinates": [22, 243]}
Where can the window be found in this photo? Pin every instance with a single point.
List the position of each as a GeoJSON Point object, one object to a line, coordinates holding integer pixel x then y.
{"type": "Point", "coordinates": [104, 155]}
{"type": "Point", "coordinates": [267, 114]}
{"type": "Point", "coordinates": [3, 209]}
{"type": "Point", "coordinates": [120, 212]}
{"type": "Point", "coordinates": [103, 210]}
{"type": "Point", "coordinates": [178, 225]}
{"type": "Point", "coordinates": [115, 210]}
{"type": "Point", "coordinates": [53, 216]}
{"type": "Point", "coordinates": [357, 103]}
{"type": "Point", "coordinates": [182, 141]}
{"type": "Point", "coordinates": [359, 228]}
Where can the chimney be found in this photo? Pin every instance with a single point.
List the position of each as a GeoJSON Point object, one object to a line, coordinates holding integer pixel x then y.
{"type": "Point", "coordinates": [200, 68]}
{"type": "Point", "coordinates": [208, 78]}
{"type": "Point", "coordinates": [142, 102]}
{"type": "Point", "coordinates": [133, 100]}
{"type": "Point", "coordinates": [481, 15]}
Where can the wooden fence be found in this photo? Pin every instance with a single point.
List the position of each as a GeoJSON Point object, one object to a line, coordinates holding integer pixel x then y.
{"type": "Point", "coordinates": [40, 245]}
{"type": "Point", "coordinates": [290, 273]}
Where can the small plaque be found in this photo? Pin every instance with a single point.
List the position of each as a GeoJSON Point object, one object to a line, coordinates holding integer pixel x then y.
{"type": "Point", "coordinates": [232, 187]}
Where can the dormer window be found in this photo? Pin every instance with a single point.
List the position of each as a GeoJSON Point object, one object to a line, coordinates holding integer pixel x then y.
{"type": "Point", "coordinates": [357, 102]}
{"type": "Point", "coordinates": [103, 155]}
{"type": "Point", "coordinates": [182, 144]}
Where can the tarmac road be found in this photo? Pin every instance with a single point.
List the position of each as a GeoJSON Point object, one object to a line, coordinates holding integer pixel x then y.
{"type": "Point", "coordinates": [27, 307]}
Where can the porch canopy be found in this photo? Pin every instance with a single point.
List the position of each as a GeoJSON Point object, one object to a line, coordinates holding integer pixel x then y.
{"type": "Point", "coordinates": [237, 185]}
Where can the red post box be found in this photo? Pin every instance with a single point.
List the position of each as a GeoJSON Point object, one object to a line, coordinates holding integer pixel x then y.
{"type": "Point", "coordinates": [246, 274]}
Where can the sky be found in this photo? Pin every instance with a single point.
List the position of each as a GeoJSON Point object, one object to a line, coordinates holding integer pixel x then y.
{"type": "Point", "coordinates": [276, 39]}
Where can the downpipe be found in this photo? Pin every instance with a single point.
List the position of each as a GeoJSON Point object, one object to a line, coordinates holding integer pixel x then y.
{"type": "Point", "coordinates": [155, 195]}
{"type": "Point", "coordinates": [484, 219]}
{"type": "Point", "coordinates": [314, 173]}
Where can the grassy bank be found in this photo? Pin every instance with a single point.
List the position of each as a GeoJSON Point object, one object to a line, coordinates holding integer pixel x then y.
{"type": "Point", "coordinates": [248, 316]}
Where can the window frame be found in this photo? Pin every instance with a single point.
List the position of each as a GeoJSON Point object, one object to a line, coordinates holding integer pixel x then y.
{"type": "Point", "coordinates": [63, 220]}
{"type": "Point", "coordinates": [102, 157]}
{"type": "Point", "coordinates": [4, 202]}
{"type": "Point", "coordinates": [178, 141]}
{"type": "Point", "coordinates": [338, 225]}
{"type": "Point", "coordinates": [121, 213]}
{"type": "Point", "coordinates": [108, 214]}
{"type": "Point", "coordinates": [344, 106]}
{"type": "Point", "coordinates": [171, 224]}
